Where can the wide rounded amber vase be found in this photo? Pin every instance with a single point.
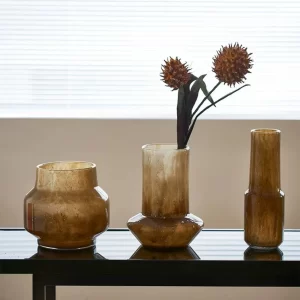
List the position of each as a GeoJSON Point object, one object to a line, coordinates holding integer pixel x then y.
{"type": "Point", "coordinates": [66, 209]}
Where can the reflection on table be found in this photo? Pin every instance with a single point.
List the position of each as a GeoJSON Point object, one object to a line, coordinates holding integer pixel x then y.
{"type": "Point", "coordinates": [89, 253]}
{"type": "Point", "coordinates": [253, 254]}
{"type": "Point", "coordinates": [177, 254]}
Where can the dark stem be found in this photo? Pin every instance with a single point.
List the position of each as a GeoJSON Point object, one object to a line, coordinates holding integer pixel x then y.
{"type": "Point", "coordinates": [182, 128]}
{"type": "Point", "coordinates": [183, 118]}
{"type": "Point", "coordinates": [206, 108]}
{"type": "Point", "coordinates": [205, 98]}
{"type": "Point", "coordinates": [192, 79]}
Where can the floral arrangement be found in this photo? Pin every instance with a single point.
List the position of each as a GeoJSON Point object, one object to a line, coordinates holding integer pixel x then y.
{"type": "Point", "coordinates": [230, 66]}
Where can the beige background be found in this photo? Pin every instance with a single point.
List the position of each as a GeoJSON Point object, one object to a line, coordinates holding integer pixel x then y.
{"type": "Point", "coordinates": [218, 178]}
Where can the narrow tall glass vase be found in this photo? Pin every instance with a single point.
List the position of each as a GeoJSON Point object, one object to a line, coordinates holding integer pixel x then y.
{"type": "Point", "coordinates": [264, 200]}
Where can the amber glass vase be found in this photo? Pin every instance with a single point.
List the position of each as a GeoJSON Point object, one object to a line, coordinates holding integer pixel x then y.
{"type": "Point", "coordinates": [66, 209]}
{"type": "Point", "coordinates": [165, 221]}
{"type": "Point", "coordinates": [264, 200]}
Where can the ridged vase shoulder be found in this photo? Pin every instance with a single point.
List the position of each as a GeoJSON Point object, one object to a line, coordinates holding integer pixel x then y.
{"type": "Point", "coordinates": [66, 209]}
{"type": "Point", "coordinates": [165, 221]}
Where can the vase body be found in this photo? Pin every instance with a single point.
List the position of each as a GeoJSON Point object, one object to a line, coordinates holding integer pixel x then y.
{"type": "Point", "coordinates": [66, 209]}
{"type": "Point", "coordinates": [165, 221]}
{"type": "Point", "coordinates": [264, 199]}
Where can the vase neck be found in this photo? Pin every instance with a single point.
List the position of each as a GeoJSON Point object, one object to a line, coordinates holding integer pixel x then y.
{"type": "Point", "coordinates": [265, 161]}
{"type": "Point", "coordinates": [67, 177]}
{"type": "Point", "coordinates": [165, 181]}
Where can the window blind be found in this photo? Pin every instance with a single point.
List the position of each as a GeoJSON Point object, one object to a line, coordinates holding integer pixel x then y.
{"type": "Point", "coordinates": [101, 58]}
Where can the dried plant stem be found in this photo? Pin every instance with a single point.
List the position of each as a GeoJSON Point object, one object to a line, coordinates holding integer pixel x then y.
{"type": "Point", "coordinates": [205, 98]}
{"type": "Point", "coordinates": [206, 108]}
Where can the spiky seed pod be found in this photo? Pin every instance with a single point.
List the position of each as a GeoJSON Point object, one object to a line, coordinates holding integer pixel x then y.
{"type": "Point", "coordinates": [232, 63]}
{"type": "Point", "coordinates": [175, 73]}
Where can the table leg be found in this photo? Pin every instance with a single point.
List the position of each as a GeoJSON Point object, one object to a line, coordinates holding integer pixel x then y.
{"type": "Point", "coordinates": [41, 291]}
{"type": "Point", "coordinates": [50, 292]}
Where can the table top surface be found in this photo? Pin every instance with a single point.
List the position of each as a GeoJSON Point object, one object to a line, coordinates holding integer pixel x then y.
{"type": "Point", "coordinates": [120, 244]}
{"type": "Point", "coordinates": [214, 258]}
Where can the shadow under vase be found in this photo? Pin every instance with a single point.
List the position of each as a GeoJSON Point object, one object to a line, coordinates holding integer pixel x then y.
{"type": "Point", "coordinates": [254, 254]}
{"type": "Point", "coordinates": [174, 254]}
{"type": "Point", "coordinates": [83, 254]}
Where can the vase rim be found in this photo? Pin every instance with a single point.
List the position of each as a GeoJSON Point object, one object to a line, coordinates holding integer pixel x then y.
{"type": "Point", "coordinates": [66, 166]}
{"type": "Point", "coordinates": [266, 130]}
{"type": "Point", "coordinates": [163, 146]}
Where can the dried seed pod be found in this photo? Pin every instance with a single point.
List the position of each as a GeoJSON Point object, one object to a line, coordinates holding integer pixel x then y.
{"type": "Point", "coordinates": [231, 64]}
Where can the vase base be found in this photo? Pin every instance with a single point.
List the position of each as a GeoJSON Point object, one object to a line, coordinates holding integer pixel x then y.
{"type": "Point", "coordinates": [164, 233]}
{"type": "Point", "coordinates": [66, 248]}
{"type": "Point", "coordinates": [263, 249]}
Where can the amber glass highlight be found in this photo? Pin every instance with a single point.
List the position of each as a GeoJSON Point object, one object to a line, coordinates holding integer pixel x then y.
{"type": "Point", "coordinates": [165, 221]}
{"type": "Point", "coordinates": [66, 209]}
{"type": "Point", "coordinates": [264, 200]}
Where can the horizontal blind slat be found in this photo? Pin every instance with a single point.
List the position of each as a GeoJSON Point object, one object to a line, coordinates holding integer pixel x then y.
{"type": "Point", "coordinates": [75, 54]}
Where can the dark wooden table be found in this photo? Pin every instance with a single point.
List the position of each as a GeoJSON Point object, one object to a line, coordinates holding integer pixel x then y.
{"type": "Point", "coordinates": [215, 258]}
